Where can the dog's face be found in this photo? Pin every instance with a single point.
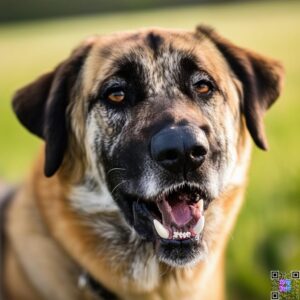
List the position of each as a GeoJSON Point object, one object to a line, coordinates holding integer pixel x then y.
{"type": "Point", "coordinates": [158, 117]}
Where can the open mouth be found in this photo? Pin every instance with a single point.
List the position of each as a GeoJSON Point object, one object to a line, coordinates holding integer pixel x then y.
{"type": "Point", "coordinates": [174, 214]}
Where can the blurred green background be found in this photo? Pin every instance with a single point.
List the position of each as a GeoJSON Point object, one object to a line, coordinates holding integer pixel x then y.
{"type": "Point", "coordinates": [267, 235]}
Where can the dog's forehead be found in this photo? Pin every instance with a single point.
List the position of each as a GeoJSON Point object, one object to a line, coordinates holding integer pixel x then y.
{"type": "Point", "coordinates": [156, 50]}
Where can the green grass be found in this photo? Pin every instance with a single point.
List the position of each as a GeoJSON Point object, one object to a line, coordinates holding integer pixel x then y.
{"type": "Point", "coordinates": [267, 235]}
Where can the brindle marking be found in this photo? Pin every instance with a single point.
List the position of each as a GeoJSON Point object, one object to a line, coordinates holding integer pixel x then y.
{"type": "Point", "coordinates": [97, 159]}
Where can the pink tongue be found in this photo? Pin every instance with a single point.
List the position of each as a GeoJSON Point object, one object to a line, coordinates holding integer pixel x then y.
{"type": "Point", "coordinates": [181, 213]}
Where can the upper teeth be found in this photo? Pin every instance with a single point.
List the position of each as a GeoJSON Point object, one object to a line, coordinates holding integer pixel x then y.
{"type": "Point", "coordinates": [200, 225]}
{"type": "Point", "coordinates": [160, 229]}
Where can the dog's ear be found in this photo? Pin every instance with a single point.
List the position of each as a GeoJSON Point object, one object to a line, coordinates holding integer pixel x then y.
{"type": "Point", "coordinates": [41, 106]}
{"type": "Point", "coordinates": [261, 78]}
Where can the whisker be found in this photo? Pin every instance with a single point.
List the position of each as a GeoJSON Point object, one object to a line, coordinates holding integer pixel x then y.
{"type": "Point", "coordinates": [124, 181]}
{"type": "Point", "coordinates": [115, 169]}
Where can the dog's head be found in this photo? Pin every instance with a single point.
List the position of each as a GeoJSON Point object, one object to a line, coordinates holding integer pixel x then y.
{"type": "Point", "coordinates": [159, 120]}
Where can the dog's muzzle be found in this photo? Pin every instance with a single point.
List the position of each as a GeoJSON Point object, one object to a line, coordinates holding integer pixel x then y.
{"type": "Point", "coordinates": [176, 213]}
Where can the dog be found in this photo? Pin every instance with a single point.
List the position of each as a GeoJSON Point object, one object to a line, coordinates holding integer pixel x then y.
{"type": "Point", "coordinates": [148, 137]}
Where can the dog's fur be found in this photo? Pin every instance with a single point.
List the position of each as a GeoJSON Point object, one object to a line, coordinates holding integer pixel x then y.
{"type": "Point", "coordinates": [74, 219]}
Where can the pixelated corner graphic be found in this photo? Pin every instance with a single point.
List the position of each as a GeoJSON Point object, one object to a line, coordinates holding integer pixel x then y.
{"type": "Point", "coordinates": [285, 285]}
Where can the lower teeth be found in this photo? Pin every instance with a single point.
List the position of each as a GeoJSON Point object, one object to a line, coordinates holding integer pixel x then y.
{"type": "Point", "coordinates": [181, 235]}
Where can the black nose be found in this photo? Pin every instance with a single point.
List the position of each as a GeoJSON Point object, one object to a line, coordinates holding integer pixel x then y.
{"type": "Point", "coordinates": [180, 148]}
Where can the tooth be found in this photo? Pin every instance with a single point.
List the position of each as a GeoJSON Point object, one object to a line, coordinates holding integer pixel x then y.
{"type": "Point", "coordinates": [160, 229]}
{"type": "Point", "coordinates": [201, 205]}
{"type": "Point", "coordinates": [199, 226]}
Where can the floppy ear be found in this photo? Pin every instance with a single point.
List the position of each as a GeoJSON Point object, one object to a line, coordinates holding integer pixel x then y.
{"type": "Point", "coordinates": [41, 107]}
{"type": "Point", "coordinates": [261, 78]}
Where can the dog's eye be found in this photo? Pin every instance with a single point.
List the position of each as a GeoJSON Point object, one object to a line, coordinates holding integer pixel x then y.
{"type": "Point", "coordinates": [203, 87]}
{"type": "Point", "coordinates": [117, 96]}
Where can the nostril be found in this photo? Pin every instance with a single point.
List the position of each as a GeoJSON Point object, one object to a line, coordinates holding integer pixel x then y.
{"type": "Point", "coordinates": [198, 152]}
{"type": "Point", "coordinates": [170, 155]}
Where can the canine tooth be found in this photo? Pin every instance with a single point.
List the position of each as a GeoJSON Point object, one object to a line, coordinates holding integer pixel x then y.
{"type": "Point", "coordinates": [199, 226]}
{"type": "Point", "coordinates": [201, 205]}
{"type": "Point", "coordinates": [160, 229]}
{"type": "Point", "coordinates": [175, 235]}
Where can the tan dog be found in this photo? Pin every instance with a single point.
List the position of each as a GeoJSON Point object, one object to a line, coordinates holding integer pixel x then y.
{"type": "Point", "coordinates": [147, 147]}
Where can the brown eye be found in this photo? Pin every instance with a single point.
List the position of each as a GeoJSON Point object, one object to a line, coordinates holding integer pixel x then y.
{"type": "Point", "coordinates": [203, 88]}
{"type": "Point", "coordinates": [117, 96]}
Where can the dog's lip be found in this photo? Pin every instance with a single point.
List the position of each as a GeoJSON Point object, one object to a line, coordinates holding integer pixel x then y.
{"type": "Point", "coordinates": [176, 213]}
